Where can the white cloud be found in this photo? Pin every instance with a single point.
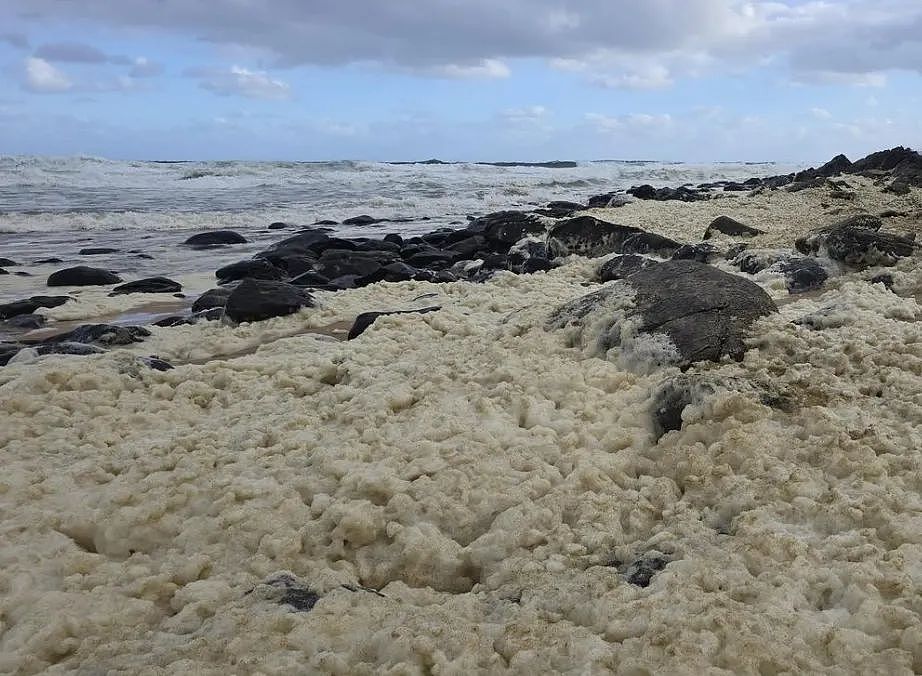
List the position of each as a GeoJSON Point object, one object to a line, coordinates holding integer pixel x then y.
{"type": "Point", "coordinates": [485, 69]}
{"type": "Point", "coordinates": [653, 77]}
{"type": "Point", "coordinates": [41, 76]}
{"type": "Point", "coordinates": [143, 67]}
{"type": "Point", "coordinates": [821, 113]}
{"type": "Point", "coordinates": [238, 81]}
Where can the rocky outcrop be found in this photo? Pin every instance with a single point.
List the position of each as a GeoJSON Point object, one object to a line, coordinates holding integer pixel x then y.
{"type": "Point", "coordinates": [83, 275]}
{"type": "Point", "coordinates": [856, 242]}
{"type": "Point", "coordinates": [730, 226]}
{"type": "Point", "coordinates": [148, 285]}
{"type": "Point", "coordinates": [215, 238]}
{"type": "Point", "coordinates": [254, 300]}
{"type": "Point", "coordinates": [622, 266]}
{"type": "Point", "coordinates": [30, 305]}
{"type": "Point", "coordinates": [589, 236]}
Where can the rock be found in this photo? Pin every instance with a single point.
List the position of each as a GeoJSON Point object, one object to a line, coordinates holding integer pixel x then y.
{"type": "Point", "coordinates": [609, 200]}
{"type": "Point", "coordinates": [285, 589]}
{"type": "Point", "coordinates": [588, 236]}
{"type": "Point", "coordinates": [505, 228]}
{"type": "Point", "coordinates": [105, 334]}
{"type": "Point", "coordinates": [702, 313]}
{"type": "Point", "coordinates": [839, 164]}
{"type": "Point", "coordinates": [215, 238]}
{"type": "Point", "coordinates": [672, 396]}
{"type": "Point", "coordinates": [682, 193]}
{"type": "Point", "coordinates": [211, 299]}
{"type": "Point", "coordinates": [4, 272]}
{"type": "Point", "coordinates": [560, 209]}
{"type": "Point", "coordinates": [703, 253]}
{"type": "Point", "coordinates": [395, 272]}
{"type": "Point", "coordinates": [254, 300]}
{"type": "Point", "coordinates": [643, 192]}
{"type": "Point", "coordinates": [856, 242]}
{"type": "Point", "coordinates": [753, 261]}
{"type": "Point", "coordinates": [528, 255]}
{"type": "Point", "coordinates": [255, 268]}
{"type": "Point", "coordinates": [83, 275]}
{"type": "Point", "coordinates": [148, 285]}
{"type": "Point", "coordinates": [48, 261]}
{"type": "Point", "coordinates": [438, 259]}
{"type": "Point", "coordinates": [144, 256]}
{"type": "Point", "coordinates": [732, 227]}
{"type": "Point", "coordinates": [326, 221]}
{"type": "Point", "coordinates": [803, 274]}
{"type": "Point", "coordinates": [25, 322]}
{"type": "Point", "coordinates": [22, 273]}
{"type": "Point", "coordinates": [641, 572]}
{"type": "Point", "coordinates": [96, 251]}
{"type": "Point", "coordinates": [469, 247]}
{"type": "Point", "coordinates": [156, 363]}
{"type": "Point", "coordinates": [898, 187]}
{"type": "Point", "coordinates": [901, 163]}
{"type": "Point", "coordinates": [622, 266]}
{"type": "Point", "coordinates": [366, 319]}
{"type": "Point", "coordinates": [30, 305]}
{"type": "Point", "coordinates": [335, 263]}
{"type": "Point", "coordinates": [394, 238]}
{"type": "Point", "coordinates": [67, 347]}
{"type": "Point", "coordinates": [886, 280]}
{"type": "Point", "coordinates": [7, 263]}
{"type": "Point", "coordinates": [649, 242]}
{"type": "Point", "coordinates": [363, 220]}
{"type": "Point", "coordinates": [278, 225]}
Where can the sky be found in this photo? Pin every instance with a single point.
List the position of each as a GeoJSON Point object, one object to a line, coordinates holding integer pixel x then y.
{"type": "Point", "coordinates": [531, 80]}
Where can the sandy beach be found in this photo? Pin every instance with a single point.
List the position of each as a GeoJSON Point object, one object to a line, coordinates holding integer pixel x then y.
{"type": "Point", "coordinates": [468, 491]}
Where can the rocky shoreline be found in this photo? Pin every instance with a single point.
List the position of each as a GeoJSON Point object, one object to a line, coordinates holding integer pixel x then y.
{"type": "Point", "coordinates": [664, 435]}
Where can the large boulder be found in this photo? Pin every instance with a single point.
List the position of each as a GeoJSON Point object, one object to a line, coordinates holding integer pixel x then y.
{"type": "Point", "coordinates": [589, 236]}
{"type": "Point", "coordinates": [101, 334]}
{"type": "Point", "coordinates": [622, 266]}
{"type": "Point", "coordinates": [83, 275]}
{"type": "Point", "coordinates": [901, 163]}
{"type": "Point", "coordinates": [505, 228]}
{"type": "Point", "coordinates": [676, 312]}
{"type": "Point", "coordinates": [335, 263]}
{"type": "Point", "coordinates": [729, 226]}
{"type": "Point", "coordinates": [211, 300]}
{"type": "Point", "coordinates": [257, 299]}
{"type": "Point", "coordinates": [856, 242]}
{"type": "Point", "coordinates": [255, 268]}
{"type": "Point", "coordinates": [366, 319]}
{"type": "Point", "coordinates": [148, 285]}
{"type": "Point", "coordinates": [215, 238]}
{"type": "Point", "coordinates": [30, 305]}
{"type": "Point", "coordinates": [7, 262]}
{"type": "Point", "coordinates": [803, 274]}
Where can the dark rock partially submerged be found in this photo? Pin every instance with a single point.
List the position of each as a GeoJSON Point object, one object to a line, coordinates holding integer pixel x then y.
{"type": "Point", "coordinates": [215, 238]}
{"type": "Point", "coordinates": [148, 285]}
{"type": "Point", "coordinates": [255, 268]}
{"type": "Point", "coordinates": [83, 275]}
{"type": "Point", "coordinates": [732, 227]}
{"type": "Point", "coordinates": [96, 251]}
{"type": "Point", "coordinates": [856, 242]}
{"type": "Point", "coordinates": [803, 274]}
{"type": "Point", "coordinates": [103, 334]}
{"type": "Point", "coordinates": [30, 305]}
{"type": "Point", "coordinates": [366, 319]}
{"type": "Point", "coordinates": [704, 312]}
{"type": "Point", "coordinates": [254, 300]}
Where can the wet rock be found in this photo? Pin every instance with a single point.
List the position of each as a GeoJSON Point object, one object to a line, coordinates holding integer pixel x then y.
{"type": "Point", "coordinates": [856, 242]}
{"type": "Point", "coordinates": [394, 238]}
{"type": "Point", "coordinates": [395, 272]}
{"type": "Point", "coordinates": [285, 589]}
{"type": "Point", "coordinates": [703, 253]}
{"type": "Point", "coordinates": [643, 192]}
{"type": "Point", "coordinates": [255, 268]}
{"type": "Point", "coordinates": [366, 319]}
{"type": "Point", "coordinates": [48, 261]}
{"type": "Point", "coordinates": [22, 273]}
{"type": "Point", "coordinates": [96, 251]}
{"type": "Point", "coordinates": [364, 219]}
{"type": "Point", "coordinates": [144, 256]}
{"type": "Point", "coordinates": [212, 299]}
{"type": "Point", "coordinates": [682, 193]}
{"type": "Point", "coordinates": [156, 363]}
{"type": "Point", "coordinates": [704, 313]}
{"type": "Point", "coordinates": [609, 200]}
{"type": "Point", "coordinates": [649, 243]}
{"type": "Point", "coordinates": [255, 300]}
{"type": "Point", "coordinates": [68, 347]}
{"type": "Point", "coordinates": [901, 163]}
{"type": "Point", "coordinates": [641, 572]}
{"type": "Point", "coordinates": [83, 275]}
{"type": "Point", "coordinates": [622, 266]}
{"type": "Point", "coordinates": [335, 263]}
{"type": "Point", "coordinates": [885, 279]}
{"type": "Point", "coordinates": [588, 236]}
{"type": "Point", "coordinates": [508, 227]}
{"type": "Point", "coordinates": [7, 263]}
{"type": "Point", "coordinates": [529, 255]}
{"type": "Point", "coordinates": [278, 225]}
{"type": "Point", "coordinates": [754, 261]}
{"type": "Point", "coordinates": [4, 272]}
{"type": "Point", "coordinates": [469, 247]}
{"type": "Point", "coordinates": [215, 238]}
{"type": "Point", "coordinates": [560, 209]}
{"type": "Point", "coordinates": [803, 274]}
{"type": "Point", "coordinates": [30, 305]}
{"type": "Point", "coordinates": [433, 259]}
{"type": "Point", "coordinates": [898, 188]}
{"type": "Point", "coordinates": [731, 227]}
{"type": "Point", "coordinates": [148, 285]}
{"type": "Point", "coordinates": [326, 221]}
{"type": "Point", "coordinates": [103, 334]}
{"type": "Point", "coordinates": [27, 322]}
{"type": "Point", "coordinates": [174, 320]}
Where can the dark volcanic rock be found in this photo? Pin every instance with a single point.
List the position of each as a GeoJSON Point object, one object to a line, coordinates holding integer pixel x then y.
{"type": "Point", "coordinates": [856, 242]}
{"type": "Point", "coordinates": [363, 220]}
{"type": "Point", "coordinates": [257, 299]}
{"type": "Point", "coordinates": [211, 299]}
{"type": "Point", "coordinates": [366, 319]}
{"type": "Point", "coordinates": [898, 187]}
{"type": "Point", "coordinates": [46, 261]}
{"type": "Point", "coordinates": [7, 263]}
{"type": "Point", "coordinates": [704, 312]}
{"type": "Point", "coordinates": [886, 280]}
{"type": "Point", "coordinates": [254, 268]}
{"type": "Point", "coordinates": [4, 272]}
{"type": "Point", "coordinates": [508, 227]}
{"type": "Point", "coordinates": [703, 253]}
{"type": "Point", "coordinates": [620, 267]}
{"type": "Point", "coordinates": [286, 590]}
{"type": "Point", "coordinates": [83, 275]}
{"type": "Point", "coordinates": [105, 334]}
{"type": "Point", "coordinates": [608, 200]}
{"type": "Point", "coordinates": [529, 255]}
{"type": "Point", "coordinates": [30, 305]}
{"type": "Point", "coordinates": [215, 238]}
{"type": "Point", "coordinates": [560, 209]}
{"type": "Point", "coordinates": [25, 322]}
{"type": "Point", "coordinates": [149, 285]}
{"type": "Point", "coordinates": [732, 227]}
{"type": "Point", "coordinates": [588, 236]}
{"type": "Point", "coordinates": [394, 238]}
{"type": "Point", "coordinates": [337, 263]}
{"type": "Point", "coordinates": [803, 274]}
{"type": "Point", "coordinates": [641, 572]}
{"type": "Point", "coordinates": [96, 251]}
{"type": "Point", "coordinates": [682, 193]}
{"type": "Point", "coordinates": [649, 242]}
{"type": "Point", "coordinates": [901, 163]}
{"type": "Point", "coordinates": [278, 225]}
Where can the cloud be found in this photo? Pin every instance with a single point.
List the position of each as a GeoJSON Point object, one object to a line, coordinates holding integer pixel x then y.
{"type": "Point", "coordinates": [18, 40]}
{"type": "Point", "coordinates": [143, 67]}
{"type": "Point", "coordinates": [70, 52]}
{"type": "Point", "coordinates": [42, 77]}
{"type": "Point", "coordinates": [529, 114]}
{"type": "Point", "coordinates": [821, 113]}
{"type": "Point", "coordinates": [614, 43]}
{"type": "Point", "coordinates": [237, 81]}
{"type": "Point", "coordinates": [630, 122]}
